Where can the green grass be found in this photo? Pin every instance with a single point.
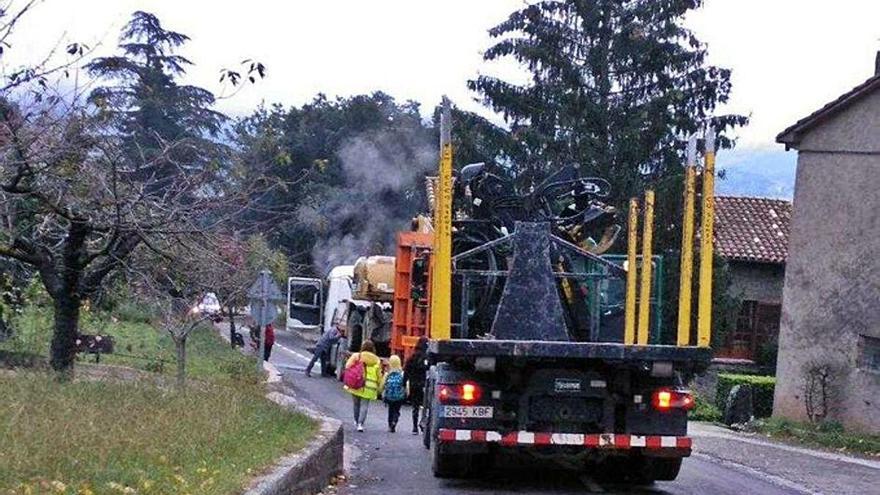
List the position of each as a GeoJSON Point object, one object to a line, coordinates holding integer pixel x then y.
{"type": "Point", "coordinates": [829, 435]}
{"type": "Point", "coordinates": [105, 436]}
{"type": "Point", "coordinates": [138, 344]}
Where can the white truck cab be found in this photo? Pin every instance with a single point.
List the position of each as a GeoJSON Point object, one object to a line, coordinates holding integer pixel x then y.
{"type": "Point", "coordinates": [308, 302]}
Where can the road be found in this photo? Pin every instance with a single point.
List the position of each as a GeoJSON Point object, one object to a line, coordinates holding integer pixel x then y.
{"type": "Point", "coordinates": [383, 463]}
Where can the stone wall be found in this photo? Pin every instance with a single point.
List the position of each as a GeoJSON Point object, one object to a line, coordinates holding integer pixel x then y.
{"type": "Point", "coordinates": [832, 280]}
{"type": "Point", "coordinates": [757, 281]}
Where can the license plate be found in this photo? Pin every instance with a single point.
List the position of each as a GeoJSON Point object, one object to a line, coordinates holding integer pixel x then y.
{"type": "Point", "coordinates": [485, 412]}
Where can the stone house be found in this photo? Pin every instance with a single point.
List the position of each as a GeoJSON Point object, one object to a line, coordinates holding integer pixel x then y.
{"type": "Point", "coordinates": [752, 235]}
{"type": "Point", "coordinates": [830, 329]}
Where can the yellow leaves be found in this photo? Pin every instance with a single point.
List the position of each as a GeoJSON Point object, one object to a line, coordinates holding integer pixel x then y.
{"type": "Point", "coordinates": [58, 486]}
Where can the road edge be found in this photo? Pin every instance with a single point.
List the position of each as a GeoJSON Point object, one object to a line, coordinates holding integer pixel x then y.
{"type": "Point", "coordinates": [310, 469]}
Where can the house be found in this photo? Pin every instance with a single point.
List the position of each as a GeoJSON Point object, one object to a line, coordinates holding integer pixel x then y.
{"type": "Point", "coordinates": [752, 235]}
{"type": "Point", "coordinates": [829, 341]}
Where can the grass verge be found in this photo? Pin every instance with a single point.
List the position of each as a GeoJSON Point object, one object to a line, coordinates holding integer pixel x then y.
{"type": "Point", "coordinates": [829, 435]}
{"type": "Point", "coordinates": [87, 437]}
{"type": "Point", "coordinates": [138, 345]}
{"type": "Point", "coordinates": [110, 437]}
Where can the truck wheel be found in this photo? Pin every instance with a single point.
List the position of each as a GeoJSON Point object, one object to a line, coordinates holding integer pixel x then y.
{"type": "Point", "coordinates": [341, 353]}
{"type": "Point", "coordinates": [666, 469]}
{"type": "Point", "coordinates": [646, 470]}
{"type": "Point", "coordinates": [446, 465]}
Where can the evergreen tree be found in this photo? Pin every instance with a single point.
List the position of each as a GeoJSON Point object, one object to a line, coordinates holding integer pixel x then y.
{"type": "Point", "coordinates": [615, 87]}
{"type": "Point", "coordinates": [147, 105]}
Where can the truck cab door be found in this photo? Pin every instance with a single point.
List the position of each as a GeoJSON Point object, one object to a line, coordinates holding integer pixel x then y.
{"type": "Point", "coordinates": [305, 304]}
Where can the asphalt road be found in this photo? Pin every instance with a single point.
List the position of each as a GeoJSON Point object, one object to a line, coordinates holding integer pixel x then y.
{"type": "Point", "coordinates": [379, 462]}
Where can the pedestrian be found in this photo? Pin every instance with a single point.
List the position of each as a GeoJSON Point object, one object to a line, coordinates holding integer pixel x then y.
{"type": "Point", "coordinates": [414, 376]}
{"type": "Point", "coordinates": [393, 391]}
{"type": "Point", "coordinates": [269, 333]}
{"type": "Point", "coordinates": [370, 371]}
{"type": "Point", "coordinates": [322, 349]}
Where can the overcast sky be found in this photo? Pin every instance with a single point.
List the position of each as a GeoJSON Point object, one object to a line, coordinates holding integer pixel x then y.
{"type": "Point", "coordinates": [788, 56]}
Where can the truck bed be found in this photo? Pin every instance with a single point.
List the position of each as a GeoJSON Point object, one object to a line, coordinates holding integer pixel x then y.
{"type": "Point", "coordinates": [450, 349]}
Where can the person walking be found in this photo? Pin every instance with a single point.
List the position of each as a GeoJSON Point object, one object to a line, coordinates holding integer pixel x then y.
{"type": "Point", "coordinates": [414, 376]}
{"type": "Point", "coordinates": [269, 332]}
{"type": "Point", "coordinates": [270, 341]}
{"type": "Point", "coordinates": [322, 350]}
{"type": "Point", "coordinates": [393, 391]}
{"type": "Point", "coordinates": [365, 368]}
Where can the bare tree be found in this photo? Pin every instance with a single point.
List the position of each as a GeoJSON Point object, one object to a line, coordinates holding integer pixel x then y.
{"type": "Point", "coordinates": [78, 199]}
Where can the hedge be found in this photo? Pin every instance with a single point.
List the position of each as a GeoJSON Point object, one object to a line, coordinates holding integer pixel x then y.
{"type": "Point", "coordinates": [762, 391]}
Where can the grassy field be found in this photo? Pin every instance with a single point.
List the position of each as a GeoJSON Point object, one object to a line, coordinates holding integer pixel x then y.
{"type": "Point", "coordinates": [138, 344]}
{"type": "Point", "coordinates": [135, 437]}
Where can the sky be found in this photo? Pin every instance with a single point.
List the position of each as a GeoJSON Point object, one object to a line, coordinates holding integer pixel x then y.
{"type": "Point", "coordinates": [788, 57]}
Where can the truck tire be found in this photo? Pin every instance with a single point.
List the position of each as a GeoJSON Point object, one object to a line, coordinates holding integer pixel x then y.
{"type": "Point", "coordinates": [341, 357]}
{"type": "Point", "coordinates": [666, 469]}
{"type": "Point", "coordinates": [647, 470]}
{"type": "Point", "coordinates": [449, 465]}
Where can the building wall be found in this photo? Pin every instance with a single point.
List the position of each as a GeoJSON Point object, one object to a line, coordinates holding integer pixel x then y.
{"type": "Point", "coordinates": [832, 279]}
{"type": "Point", "coordinates": [757, 281]}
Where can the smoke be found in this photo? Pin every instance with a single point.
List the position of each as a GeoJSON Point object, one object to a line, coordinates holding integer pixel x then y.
{"type": "Point", "coordinates": [383, 190]}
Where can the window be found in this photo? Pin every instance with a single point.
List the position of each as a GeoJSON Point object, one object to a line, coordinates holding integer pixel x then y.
{"type": "Point", "coordinates": [756, 326]}
{"type": "Point", "coordinates": [869, 353]}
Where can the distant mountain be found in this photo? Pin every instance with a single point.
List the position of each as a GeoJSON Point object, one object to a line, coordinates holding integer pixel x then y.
{"type": "Point", "coordinates": [757, 172]}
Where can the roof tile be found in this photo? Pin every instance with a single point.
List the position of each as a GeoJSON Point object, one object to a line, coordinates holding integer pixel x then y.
{"type": "Point", "coordinates": [752, 229]}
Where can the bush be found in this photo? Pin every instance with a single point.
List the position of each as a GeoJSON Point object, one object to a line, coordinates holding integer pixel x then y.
{"type": "Point", "coordinates": [762, 391]}
{"type": "Point", "coordinates": [704, 410]}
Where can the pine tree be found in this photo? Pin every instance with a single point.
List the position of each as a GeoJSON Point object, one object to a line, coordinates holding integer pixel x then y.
{"type": "Point", "coordinates": [615, 87]}
{"type": "Point", "coordinates": [148, 106]}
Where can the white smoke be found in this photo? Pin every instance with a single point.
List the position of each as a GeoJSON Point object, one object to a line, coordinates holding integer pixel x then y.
{"type": "Point", "coordinates": [383, 191]}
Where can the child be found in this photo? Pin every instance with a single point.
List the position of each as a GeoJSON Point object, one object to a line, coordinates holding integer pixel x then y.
{"type": "Point", "coordinates": [394, 392]}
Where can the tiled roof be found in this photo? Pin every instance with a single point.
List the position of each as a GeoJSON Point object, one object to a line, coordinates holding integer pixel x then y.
{"type": "Point", "coordinates": [752, 229]}
{"type": "Point", "coordinates": [792, 135]}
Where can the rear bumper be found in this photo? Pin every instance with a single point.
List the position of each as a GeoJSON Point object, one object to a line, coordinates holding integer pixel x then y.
{"type": "Point", "coordinates": [674, 445]}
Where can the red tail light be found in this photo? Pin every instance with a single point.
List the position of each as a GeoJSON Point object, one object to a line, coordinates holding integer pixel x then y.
{"type": "Point", "coordinates": [665, 399]}
{"type": "Point", "coordinates": [466, 393]}
{"type": "Point", "coordinates": [470, 393]}
{"type": "Point", "coordinates": [445, 393]}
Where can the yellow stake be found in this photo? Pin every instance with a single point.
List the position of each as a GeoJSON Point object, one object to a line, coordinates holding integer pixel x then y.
{"type": "Point", "coordinates": [687, 247]}
{"type": "Point", "coordinates": [704, 314]}
{"type": "Point", "coordinates": [629, 334]}
{"type": "Point", "coordinates": [645, 289]}
{"type": "Point", "coordinates": [441, 274]}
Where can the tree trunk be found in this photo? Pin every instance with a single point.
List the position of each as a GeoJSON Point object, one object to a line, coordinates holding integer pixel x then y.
{"type": "Point", "coordinates": [63, 348]}
{"type": "Point", "coordinates": [180, 344]}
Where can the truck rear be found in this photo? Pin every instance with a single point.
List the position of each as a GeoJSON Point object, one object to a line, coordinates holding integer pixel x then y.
{"type": "Point", "coordinates": [533, 383]}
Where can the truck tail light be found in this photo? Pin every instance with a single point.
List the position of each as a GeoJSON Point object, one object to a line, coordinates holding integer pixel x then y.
{"type": "Point", "coordinates": [444, 393]}
{"type": "Point", "coordinates": [466, 393]}
{"type": "Point", "coordinates": [665, 399]}
{"type": "Point", "coordinates": [470, 393]}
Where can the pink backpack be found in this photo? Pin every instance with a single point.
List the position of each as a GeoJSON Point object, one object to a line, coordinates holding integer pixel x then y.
{"type": "Point", "coordinates": [355, 376]}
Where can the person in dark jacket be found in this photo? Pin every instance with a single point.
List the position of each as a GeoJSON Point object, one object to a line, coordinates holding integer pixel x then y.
{"type": "Point", "coordinates": [322, 349]}
{"type": "Point", "coordinates": [414, 376]}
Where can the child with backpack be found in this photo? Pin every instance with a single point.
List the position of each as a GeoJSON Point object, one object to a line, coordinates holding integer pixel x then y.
{"type": "Point", "coordinates": [363, 380]}
{"type": "Point", "coordinates": [394, 391]}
